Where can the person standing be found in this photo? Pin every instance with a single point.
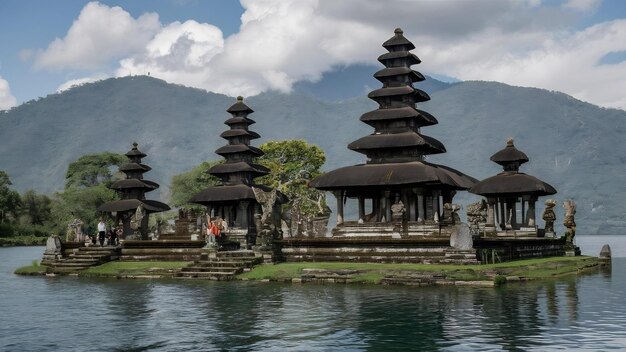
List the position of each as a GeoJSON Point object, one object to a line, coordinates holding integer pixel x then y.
{"type": "Point", "coordinates": [113, 238]}
{"type": "Point", "coordinates": [102, 231]}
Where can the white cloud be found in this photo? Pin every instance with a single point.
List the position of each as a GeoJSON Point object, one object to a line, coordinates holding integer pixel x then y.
{"type": "Point", "coordinates": [582, 5]}
{"type": "Point", "coordinates": [7, 100]}
{"type": "Point", "coordinates": [99, 34]}
{"type": "Point", "coordinates": [281, 42]}
{"type": "Point", "coordinates": [80, 81]}
{"type": "Point", "coordinates": [179, 53]}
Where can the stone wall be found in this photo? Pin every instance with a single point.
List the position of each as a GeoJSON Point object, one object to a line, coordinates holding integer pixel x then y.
{"type": "Point", "coordinates": [374, 250]}
{"type": "Point", "coordinates": [503, 250]}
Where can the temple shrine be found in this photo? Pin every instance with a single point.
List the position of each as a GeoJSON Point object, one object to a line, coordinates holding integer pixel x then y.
{"type": "Point", "coordinates": [405, 195]}
{"type": "Point", "coordinates": [133, 209]}
{"type": "Point", "coordinates": [510, 192]}
{"type": "Point", "coordinates": [235, 200]}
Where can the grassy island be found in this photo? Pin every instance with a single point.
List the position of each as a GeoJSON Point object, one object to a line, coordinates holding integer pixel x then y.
{"type": "Point", "coordinates": [367, 273]}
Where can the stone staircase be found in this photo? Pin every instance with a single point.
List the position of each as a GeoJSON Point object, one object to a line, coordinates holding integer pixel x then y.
{"type": "Point", "coordinates": [224, 266]}
{"type": "Point", "coordinates": [83, 258]}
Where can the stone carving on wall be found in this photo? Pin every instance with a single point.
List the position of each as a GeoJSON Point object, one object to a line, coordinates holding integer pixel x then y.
{"type": "Point", "coordinates": [477, 214]}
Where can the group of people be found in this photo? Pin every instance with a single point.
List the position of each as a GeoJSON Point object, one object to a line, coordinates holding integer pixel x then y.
{"type": "Point", "coordinates": [111, 236]}
{"type": "Point", "coordinates": [213, 228]}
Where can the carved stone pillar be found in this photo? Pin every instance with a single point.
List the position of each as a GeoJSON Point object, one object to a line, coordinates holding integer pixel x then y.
{"type": "Point", "coordinates": [361, 209]}
{"type": "Point", "coordinates": [531, 212]}
{"type": "Point", "coordinates": [242, 212]}
{"type": "Point", "coordinates": [339, 197]}
{"type": "Point", "coordinates": [491, 219]}
{"type": "Point", "coordinates": [387, 206]}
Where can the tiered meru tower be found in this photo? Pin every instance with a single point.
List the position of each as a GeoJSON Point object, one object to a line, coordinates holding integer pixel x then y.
{"type": "Point", "coordinates": [396, 188]}
{"type": "Point", "coordinates": [132, 192]}
{"type": "Point", "coordinates": [509, 192]}
{"type": "Point", "coordinates": [234, 200]}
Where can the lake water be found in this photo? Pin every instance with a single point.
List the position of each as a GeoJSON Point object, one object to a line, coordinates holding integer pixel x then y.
{"type": "Point", "coordinates": [78, 314]}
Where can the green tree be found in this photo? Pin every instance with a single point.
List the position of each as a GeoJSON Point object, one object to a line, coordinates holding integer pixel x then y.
{"type": "Point", "coordinates": [36, 208]}
{"type": "Point", "coordinates": [186, 184]}
{"type": "Point", "coordinates": [10, 201]}
{"type": "Point", "coordinates": [292, 164]}
{"type": "Point", "coordinates": [86, 188]}
{"type": "Point", "coordinates": [94, 169]}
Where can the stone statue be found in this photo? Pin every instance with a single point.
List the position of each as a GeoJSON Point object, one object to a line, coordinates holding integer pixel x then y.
{"type": "Point", "coordinates": [477, 213]}
{"type": "Point", "coordinates": [569, 223]}
{"type": "Point", "coordinates": [461, 237]}
{"type": "Point", "coordinates": [548, 215]}
{"type": "Point", "coordinates": [135, 222]}
{"type": "Point", "coordinates": [267, 201]}
{"type": "Point", "coordinates": [53, 250]}
{"type": "Point", "coordinates": [397, 210]}
{"type": "Point", "coordinates": [75, 231]}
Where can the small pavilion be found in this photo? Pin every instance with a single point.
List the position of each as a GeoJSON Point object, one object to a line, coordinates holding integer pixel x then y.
{"type": "Point", "coordinates": [396, 185]}
{"type": "Point", "coordinates": [132, 191]}
{"type": "Point", "coordinates": [234, 200]}
{"type": "Point", "coordinates": [510, 192]}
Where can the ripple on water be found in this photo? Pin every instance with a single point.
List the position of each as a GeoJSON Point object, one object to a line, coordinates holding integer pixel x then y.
{"type": "Point", "coordinates": [76, 314]}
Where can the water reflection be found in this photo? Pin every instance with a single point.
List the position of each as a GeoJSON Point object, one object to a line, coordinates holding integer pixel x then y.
{"type": "Point", "coordinates": [126, 315]}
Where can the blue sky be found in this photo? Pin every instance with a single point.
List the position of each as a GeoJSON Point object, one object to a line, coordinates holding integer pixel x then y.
{"type": "Point", "coordinates": [247, 47]}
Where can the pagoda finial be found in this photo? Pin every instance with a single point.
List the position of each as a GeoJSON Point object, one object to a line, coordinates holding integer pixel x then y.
{"type": "Point", "coordinates": [135, 145]}
{"type": "Point", "coordinates": [398, 31]}
{"type": "Point", "coordinates": [509, 142]}
{"type": "Point", "coordinates": [240, 98]}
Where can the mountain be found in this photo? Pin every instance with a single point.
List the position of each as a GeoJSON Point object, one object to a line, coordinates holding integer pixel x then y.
{"type": "Point", "coordinates": [575, 146]}
{"type": "Point", "coordinates": [353, 81]}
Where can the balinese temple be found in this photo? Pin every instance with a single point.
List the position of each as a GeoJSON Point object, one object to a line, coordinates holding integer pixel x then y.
{"type": "Point", "coordinates": [234, 200]}
{"type": "Point", "coordinates": [511, 195]}
{"type": "Point", "coordinates": [132, 191]}
{"type": "Point", "coordinates": [396, 187]}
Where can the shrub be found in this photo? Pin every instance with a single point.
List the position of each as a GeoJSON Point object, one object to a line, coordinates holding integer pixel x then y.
{"type": "Point", "coordinates": [499, 280]}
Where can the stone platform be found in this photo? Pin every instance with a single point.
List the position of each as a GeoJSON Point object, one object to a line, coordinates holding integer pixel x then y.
{"type": "Point", "coordinates": [162, 250]}
{"type": "Point", "coordinates": [495, 249]}
{"type": "Point", "coordinates": [376, 249]}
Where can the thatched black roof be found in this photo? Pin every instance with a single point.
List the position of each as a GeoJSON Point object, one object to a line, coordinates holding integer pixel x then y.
{"type": "Point", "coordinates": [135, 152]}
{"type": "Point", "coordinates": [231, 194]}
{"type": "Point", "coordinates": [133, 183]}
{"type": "Point", "coordinates": [414, 173]}
{"type": "Point", "coordinates": [512, 184]}
{"type": "Point", "coordinates": [421, 117]}
{"type": "Point", "coordinates": [135, 167]}
{"type": "Point", "coordinates": [151, 206]}
{"type": "Point", "coordinates": [398, 40]}
{"type": "Point", "coordinates": [406, 139]}
{"type": "Point", "coordinates": [509, 154]}
{"type": "Point", "coordinates": [411, 58]}
{"type": "Point", "coordinates": [239, 107]}
{"type": "Point", "coordinates": [242, 166]}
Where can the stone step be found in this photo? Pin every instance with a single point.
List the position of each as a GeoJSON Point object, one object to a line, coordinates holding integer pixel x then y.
{"type": "Point", "coordinates": [165, 258]}
{"type": "Point", "coordinates": [235, 254]}
{"type": "Point", "coordinates": [460, 261]}
{"type": "Point", "coordinates": [233, 260]}
{"type": "Point", "coordinates": [367, 259]}
{"type": "Point", "coordinates": [216, 275]}
{"type": "Point", "coordinates": [73, 264]}
{"type": "Point", "coordinates": [364, 252]}
{"type": "Point", "coordinates": [83, 260]}
{"type": "Point", "coordinates": [161, 251]}
{"type": "Point", "coordinates": [233, 270]}
{"type": "Point", "coordinates": [226, 264]}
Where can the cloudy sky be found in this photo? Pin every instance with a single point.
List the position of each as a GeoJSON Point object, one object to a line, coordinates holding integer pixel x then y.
{"type": "Point", "coordinates": [248, 47]}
